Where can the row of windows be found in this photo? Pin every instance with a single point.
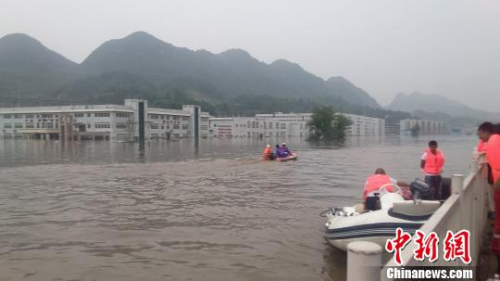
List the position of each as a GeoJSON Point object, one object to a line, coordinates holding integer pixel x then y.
{"type": "Point", "coordinates": [175, 126]}
{"type": "Point", "coordinates": [102, 125]}
{"type": "Point", "coordinates": [76, 115]}
{"type": "Point", "coordinates": [29, 116]}
{"type": "Point", "coordinates": [31, 126]}
{"type": "Point", "coordinates": [167, 117]}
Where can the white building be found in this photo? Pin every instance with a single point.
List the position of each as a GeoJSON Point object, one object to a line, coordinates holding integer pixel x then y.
{"type": "Point", "coordinates": [426, 127]}
{"type": "Point", "coordinates": [287, 125]}
{"type": "Point", "coordinates": [117, 122]}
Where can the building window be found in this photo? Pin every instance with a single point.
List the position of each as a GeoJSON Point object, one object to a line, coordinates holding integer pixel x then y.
{"type": "Point", "coordinates": [155, 116]}
{"type": "Point", "coordinates": [29, 116]}
{"type": "Point", "coordinates": [46, 116]}
{"type": "Point", "coordinates": [121, 126]}
{"type": "Point", "coordinates": [7, 126]}
{"type": "Point", "coordinates": [176, 118]}
{"type": "Point", "coordinates": [122, 115]}
{"type": "Point", "coordinates": [30, 126]}
{"type": "Point", "coordinates": [89, 114]}
{"type": "Point", "coordinates": [78, 115]}
{"type": "Point", "coordinates": [7, 116]}
{"type": "Point", "coordinates": [18, 125]}
{"type": "Point", "coordinates": [184, 126]}
{"type": "Point", "coordinates": [102, 114]}
{"type": "Point", "coordinates": [18, 116]}
{"type": "Point", "coordinates": [204, 127]}
{"type": "Point", "coordinates": [154, 126]}
{"type": "Point", "coordinates": [176, 126]}
{"type": "Point", "coordinates": [89, 125]}
{"type": "Point", "coordinates": [185, 118]}
{"type": "Point", "coordinates": [102, 125]}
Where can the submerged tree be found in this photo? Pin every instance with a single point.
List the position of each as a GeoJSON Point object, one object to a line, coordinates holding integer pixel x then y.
{"type": "Point", "coordinates": [326, 125]}
{"type": "Point", "coordinates": [415, 130]}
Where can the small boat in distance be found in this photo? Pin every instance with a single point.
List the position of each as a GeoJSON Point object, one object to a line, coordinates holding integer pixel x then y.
{"type": "Point", "coordinates": [292, 156]}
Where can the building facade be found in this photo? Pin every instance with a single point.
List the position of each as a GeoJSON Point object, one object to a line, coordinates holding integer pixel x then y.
{"type": "Point", "coordinates": [287, 125]}
{"type": "Point", "coordinates": [426, 127]}
{"type": "Point", "coordinates": [132, 121]}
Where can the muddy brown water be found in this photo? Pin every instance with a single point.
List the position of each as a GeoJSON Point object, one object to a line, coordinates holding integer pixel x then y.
{"type": "Point", "coordinates": [177, 211]}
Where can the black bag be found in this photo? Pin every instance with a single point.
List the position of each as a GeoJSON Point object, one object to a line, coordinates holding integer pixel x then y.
{"type": "Point", "coordinates": [372, 203]}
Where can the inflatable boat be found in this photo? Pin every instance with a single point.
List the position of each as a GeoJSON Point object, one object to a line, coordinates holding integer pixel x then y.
{"type": "Point", "coordinates": [349, 224]}
{"type": "Point", "coordinates": [292, 156]}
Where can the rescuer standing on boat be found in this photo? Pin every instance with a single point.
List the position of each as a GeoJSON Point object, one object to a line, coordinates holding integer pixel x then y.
{"type": "Point", "coordinates": [432, 163]}
{"type": "Point", "coordinates": [486, 132]}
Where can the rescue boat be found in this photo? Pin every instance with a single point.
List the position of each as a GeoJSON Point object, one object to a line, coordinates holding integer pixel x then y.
{"type": "Point", "coordinates": [349, 224]}
{"type": "Point", "coordinates": [292, 156]}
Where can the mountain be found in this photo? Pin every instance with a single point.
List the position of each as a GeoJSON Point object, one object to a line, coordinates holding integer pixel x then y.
{"type": "Point", "coordinates": [438, 107]}
{"type": "Point", "coordinates": [229, 74]}
{"type": "Point", "coordinates": [141, 65]}
{"type": "Point", "coordinates": [350, 92]}
{"type": "Point", "coordinates": [29, 69]}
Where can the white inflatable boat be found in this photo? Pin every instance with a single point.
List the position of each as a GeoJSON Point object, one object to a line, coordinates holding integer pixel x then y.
{"type": "Point", "coordinates": [349, 224]}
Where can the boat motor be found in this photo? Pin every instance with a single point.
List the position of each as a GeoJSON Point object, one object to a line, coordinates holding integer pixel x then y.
{"type": "Point", "coordinates": [419, 189]}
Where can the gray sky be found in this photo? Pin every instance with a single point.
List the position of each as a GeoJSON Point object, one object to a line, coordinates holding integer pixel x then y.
{"type": "Point", "coordinates": [447, 47]}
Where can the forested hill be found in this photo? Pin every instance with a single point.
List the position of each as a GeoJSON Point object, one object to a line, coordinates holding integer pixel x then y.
{"type": "Point", "coordinates": [142, 66]}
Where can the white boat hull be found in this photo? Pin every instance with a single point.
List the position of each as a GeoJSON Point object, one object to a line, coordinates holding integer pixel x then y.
{"type": "Point", "coordinates": [345, 225]}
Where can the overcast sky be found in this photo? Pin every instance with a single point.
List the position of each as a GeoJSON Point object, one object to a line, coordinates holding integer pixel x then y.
{"type": "Point", "coordinates": [447, 47]}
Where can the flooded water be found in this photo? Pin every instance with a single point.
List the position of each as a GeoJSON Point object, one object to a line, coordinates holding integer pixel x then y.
{"type": "Point", "coordinates": [176, 211]}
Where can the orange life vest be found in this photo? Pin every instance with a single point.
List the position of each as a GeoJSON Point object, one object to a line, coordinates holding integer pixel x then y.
{"type": "Point", "coordinates": [375, 182]}
{"type": "Point", "coordinates": [493, 155]}
{"type": "Point", "coordinates": [434, 162]}
{"type": "Point", "coordinates": [481, 146]}
{"type": "Point", "coordinates": [267, 153]}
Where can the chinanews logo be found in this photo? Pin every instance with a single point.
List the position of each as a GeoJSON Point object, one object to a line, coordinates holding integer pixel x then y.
{"type": "Point", "coordinates": [455, 246]}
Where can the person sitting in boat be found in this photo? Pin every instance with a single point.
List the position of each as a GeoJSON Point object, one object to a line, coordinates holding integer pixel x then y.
{"type": "Point", "coordinates": [283, 151]}
{"type": "Point", "coordinates": [268, 154]}
{"type": "Point", "coordinates": [374, 184]}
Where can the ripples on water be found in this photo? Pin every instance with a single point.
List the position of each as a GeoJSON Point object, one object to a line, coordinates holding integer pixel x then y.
{"type": "Point", "coordinates": [168, 211]}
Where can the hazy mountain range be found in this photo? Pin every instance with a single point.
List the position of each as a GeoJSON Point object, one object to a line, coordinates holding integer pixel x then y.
{"type": "Point", "coordinates": [436, 107]}
{"type": "Point", "coordinates": [232, 82]}
{"type": "Point", "coordinates": [141, 65]}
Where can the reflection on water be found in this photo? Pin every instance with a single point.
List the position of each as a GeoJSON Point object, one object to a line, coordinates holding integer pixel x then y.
{"type": "Point", "coordinates": [181, 211]}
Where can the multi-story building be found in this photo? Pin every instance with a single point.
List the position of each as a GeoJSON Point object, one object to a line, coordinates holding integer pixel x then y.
{"type": "Point", "coordinates": [131, 121]}
{"type": "Point", "coordinates": [287, 125]}
{"type": "Point", "coordinates": [426, 127]}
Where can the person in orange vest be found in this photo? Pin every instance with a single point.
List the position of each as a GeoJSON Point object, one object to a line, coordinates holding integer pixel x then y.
{"type": "Point", "coordinates": [432, 163]}
{"type": "Point", "coordinates": [487, 133]}
{"type": "Point", "coordinates": [268, 154]}
{"type": "Point", "coordinates": [375, 182]}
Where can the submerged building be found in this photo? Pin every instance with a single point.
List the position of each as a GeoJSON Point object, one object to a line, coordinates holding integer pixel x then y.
{"type": "Point", "coordinates": [134, 120]}
{"type": "Point", "coordinates": [425, 127]}
{"type": "Point", "coordinates": [287, 125]}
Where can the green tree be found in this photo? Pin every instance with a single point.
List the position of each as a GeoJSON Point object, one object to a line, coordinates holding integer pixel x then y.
{"type": "Point", "coordinates": [326, 125]}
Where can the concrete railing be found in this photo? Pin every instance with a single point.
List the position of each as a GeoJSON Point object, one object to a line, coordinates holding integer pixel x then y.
{"type": "Point", "coordinates": [465, 209]}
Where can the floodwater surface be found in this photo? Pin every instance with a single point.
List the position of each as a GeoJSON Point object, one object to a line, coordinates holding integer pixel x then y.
{"type": "Point", "coordinates": [179, 211]}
